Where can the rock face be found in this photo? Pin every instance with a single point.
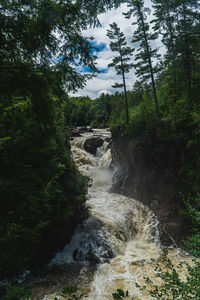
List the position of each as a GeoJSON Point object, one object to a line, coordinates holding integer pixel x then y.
{"type": "Point", "coordinates": [74, 132]}
{"type": "Point", "coordinates": [85, 129]}
{"type": "Point", "coordinates": [155, 187]}
{"type": "Point", "coordinates": [55, 237]}
{"type": "Point", "coordinates": [92, 144]}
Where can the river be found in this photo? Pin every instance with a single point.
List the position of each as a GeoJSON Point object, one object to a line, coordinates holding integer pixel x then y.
{"type": "Point", "coordinates": [118, 244]}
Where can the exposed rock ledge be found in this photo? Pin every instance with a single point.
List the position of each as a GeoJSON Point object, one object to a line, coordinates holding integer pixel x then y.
{"type": "Point", "coordinates": [153, 186]}
{"type": "Point", "coordinates": [92, 144]}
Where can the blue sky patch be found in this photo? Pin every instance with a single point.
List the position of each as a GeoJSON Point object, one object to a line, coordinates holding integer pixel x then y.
{"type": "Point", "coordinates": [86, 69]}
{"type": "Point", "coordinates": [103, 71]}
{"type": "Point", "coordinates": [100, 47]}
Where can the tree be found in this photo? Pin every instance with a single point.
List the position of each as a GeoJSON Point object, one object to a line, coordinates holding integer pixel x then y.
{"type": "Point", "coordinates": [145, 53]}
{"type": "Point", "coordinates": [188, 17]}
{"type": "Point", "coordinates": [118, 44]}
{"type": "Point", "coordinates": [41, 191]}
{"type": "Point", "coordinates": [165, 24]}
{"type": "Point", "coordinates": [177, 21]}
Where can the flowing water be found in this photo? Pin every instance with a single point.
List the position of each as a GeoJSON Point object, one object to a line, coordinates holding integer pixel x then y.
{"type": "Point", "coordinates": [120, 236]}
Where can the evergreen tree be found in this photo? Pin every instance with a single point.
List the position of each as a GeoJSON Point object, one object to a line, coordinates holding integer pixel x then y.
{"type": "Point", "coordinates": [165, 24]}
{"type": "Point", "coordinates": [41, 191]}
{"type": "Point", "coordinates": [187, 37]}
{"type": "Point", "coordinates": [144, 66]}
{"type": "Point", "coordinates": [177, 21]}
{"type": "Point", "coordinates": [121, 62]}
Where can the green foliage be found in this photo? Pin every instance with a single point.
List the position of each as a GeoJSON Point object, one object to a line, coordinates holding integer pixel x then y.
{"type": "Point", "coordinates": [70, 293]}
{"type": "Point", "coordinates": [177, 22]}
{"type": "Point", "coordinates": [120, 295]}
{"type": "Point", "coordinates": [175, 288]}
{"type": "Point", "coordinates": [142, 117]}
{"type": "Point", "coordinates": [14, 293]}
{"type": "Point", "coordinates": [177, 80]}
{"type": "Point", "coordinates": [118, 44]}
{"type": "Point", "coordinates": [82, 111]}
{"type": "Point", "coordinates": [41, 191]}
{"type": "Point", "coordinates": [192, 204]}
{"type": "Point", "coordinates": [172, 286]}
{"type": "Point", "coordinates": [121, 63]}
{"type": "Point", "coordinates": [144, 66]}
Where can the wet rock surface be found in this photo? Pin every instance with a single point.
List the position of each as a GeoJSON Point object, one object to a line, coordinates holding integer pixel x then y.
{"type": "Point", "coordinates": [153, 186]}
{"type": "Point", "coordinates": [54, 279]}
{"type": "Point", "coordinates": [74, 132]}
{"type": "Point", "coordinates": [92, 144]}
{"type": "Point", "coordinates": [85, 129]}
{"type": "Point", "coordinates": [56, 237]}
{"type": "Point", "coordinates": [78, 131]}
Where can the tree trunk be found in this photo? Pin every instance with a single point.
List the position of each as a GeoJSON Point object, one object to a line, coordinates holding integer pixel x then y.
{"type": "Point", "coordinates": [187, 53]}
{"type": "Point", "coordinates": [172, 50]}
{"type": "Point", "coordinates": [126, 98]}
{"type": "Point", "coordinates": [124, 84]}
{"type": "Point", "coordinates": [150, 65]}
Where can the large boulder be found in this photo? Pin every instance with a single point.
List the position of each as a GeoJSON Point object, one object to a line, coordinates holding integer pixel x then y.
{"type": "Point", "coordinates": [89, 129]}
{"type": "Point", "coordinates": [92, 144]}
{"type": "Point", "coordinates": [83, 129]}
{"type": "Point", "coordinates": [74, 132]}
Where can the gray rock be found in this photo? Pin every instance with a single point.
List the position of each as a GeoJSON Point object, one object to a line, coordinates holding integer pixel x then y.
{"type": "Point", "coordinates": [74, 132]}
{"type": "Point", "coordinates": [90, 129]}
{"type": "Point", "coordinates": [155, 187]}
{"type": "Point", "coordinates": [92, 144]}
{"type": "Point", "coordinates": [83, 129]}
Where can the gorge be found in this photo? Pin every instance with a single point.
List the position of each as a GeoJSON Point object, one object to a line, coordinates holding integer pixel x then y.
{"type": "Point", "coordinates": [118, 245]}
{"type": "Point", "coordinates": [77, 209]}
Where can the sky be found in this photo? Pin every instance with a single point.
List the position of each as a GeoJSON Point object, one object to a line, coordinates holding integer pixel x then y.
{"type": "Point", "coordinates": [103, 82]}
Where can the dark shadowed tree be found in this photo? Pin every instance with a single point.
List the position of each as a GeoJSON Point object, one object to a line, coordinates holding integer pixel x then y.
{"type": "Point", "coordinates": [41, 192]}
{"type": "Point", "coordinates": [145, 54]}
{"type": "Point", "coordinates": [188, 38]}
{"type": "Point", "coordinates": [121, 63]}
{"type": "Point", "coordinates": [177, 22]}
{"type": "Point", "coordinates": [165, 24]}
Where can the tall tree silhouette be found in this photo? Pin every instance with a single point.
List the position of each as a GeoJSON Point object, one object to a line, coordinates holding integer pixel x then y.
{"type": "Point", "coordinates": [177, 22]}
{"type": "Point", "coordinates": [188, 18]}
{"type": "Point", "coordinates": [145, 53]}
{"type": "Point", "coordinates": [165, 12]}
{"type": "Point", "coordinates": [121, 63]}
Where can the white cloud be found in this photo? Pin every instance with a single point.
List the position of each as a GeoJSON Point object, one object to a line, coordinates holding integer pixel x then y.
{"type": "Point", "coordinates": [103, 82]}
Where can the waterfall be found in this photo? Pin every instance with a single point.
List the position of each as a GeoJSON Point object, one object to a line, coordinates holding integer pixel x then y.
{"type": "Point", "coordinates": [120, 236]}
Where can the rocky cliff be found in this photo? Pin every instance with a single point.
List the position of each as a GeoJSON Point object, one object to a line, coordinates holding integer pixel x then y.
{"type": "Point", "coordinates": [155, 185]}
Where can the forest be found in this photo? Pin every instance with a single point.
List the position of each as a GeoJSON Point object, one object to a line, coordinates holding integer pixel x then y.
{"type": "Point", "coordinates": [41, 44]}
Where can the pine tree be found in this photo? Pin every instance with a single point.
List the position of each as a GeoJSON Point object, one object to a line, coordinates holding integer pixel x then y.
{"type": "Point", "coordinates": [145, 53]}
{"type": "Point", "coordinates": [165, 24]}
{"type": "Point", "coordinates": [177, 21]}
{"type": "Point", "coordinates": [188, 18]}
{"type": "Point", "coordinates": [41, 191]}
{"type": "Point", "coordinates": [121, 62]}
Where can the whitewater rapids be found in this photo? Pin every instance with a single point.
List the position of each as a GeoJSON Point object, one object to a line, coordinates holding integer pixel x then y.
{"type": "Point", "coordinates": [120, 236]}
